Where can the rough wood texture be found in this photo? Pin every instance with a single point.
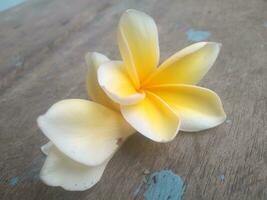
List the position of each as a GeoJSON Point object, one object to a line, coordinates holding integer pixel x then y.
{"type": "Point", "coordinates": [42, 46]}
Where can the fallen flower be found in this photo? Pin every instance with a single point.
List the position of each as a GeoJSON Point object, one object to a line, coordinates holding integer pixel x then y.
{"type": "Point", "coordinates": [128, 96]}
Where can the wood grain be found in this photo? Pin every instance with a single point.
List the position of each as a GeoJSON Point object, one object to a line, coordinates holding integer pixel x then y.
{"type": "Point", "coordinates": [42, 45]}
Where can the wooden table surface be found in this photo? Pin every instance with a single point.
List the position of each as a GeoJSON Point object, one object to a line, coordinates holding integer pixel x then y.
{"type": "Point", "coordinates": [42, 47]}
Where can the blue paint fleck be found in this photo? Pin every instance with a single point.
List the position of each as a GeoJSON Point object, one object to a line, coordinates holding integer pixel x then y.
{"type": "Point", "coordinates": [222, 177]}
{"type": "Point", "coordinates": [7, 4]}
{"type": "Point", "coordinates": [13, 181]}
{"type": "Point", "coordinates": [136, 192]}
{"type": "Point", "coordinates": [265, 24]}
{"type": "Point", "coordinates": [138, 189]}
{"type": "Point", "coordinates": [164, 185]}
{"type": "Point", "coordinates": [197, 36]}
{"type": "Point", "coordinates": [33, 174]}
{"type": "Point", "coordinates": [228, 121]}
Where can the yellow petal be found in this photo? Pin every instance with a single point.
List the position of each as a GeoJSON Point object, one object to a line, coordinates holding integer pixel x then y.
{"type": "Point", "coordinates": [115, 81]}
{"type": "Point", "coordinates": [188, 66]}
{"type": "Point", "coordinates": [60, 170]}
{"type": "Point", "coordinates": [85, 131]}
{"type": "Point", "coordinates": [95, 92]}
{"type": "Point", "coordinates": [153, 118]}
{"type": "Point", "coordinates": [198, 108]}
{"type": "Point", "coordinates": [138, 44]}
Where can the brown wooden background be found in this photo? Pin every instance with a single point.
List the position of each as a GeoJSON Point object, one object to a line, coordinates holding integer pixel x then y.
{"type": "Point", "coordinates": [42, 46]}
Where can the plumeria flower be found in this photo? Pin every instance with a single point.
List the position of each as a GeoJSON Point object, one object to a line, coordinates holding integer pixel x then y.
{"type": "Point", "coordinates": [131, 95]}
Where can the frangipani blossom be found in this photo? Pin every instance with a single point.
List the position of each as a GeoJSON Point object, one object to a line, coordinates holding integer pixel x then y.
{"type": "Point", "coordinates": [131, 95]}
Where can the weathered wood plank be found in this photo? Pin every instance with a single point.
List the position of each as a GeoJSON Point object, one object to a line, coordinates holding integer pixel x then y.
{"type": "Point", "coordinates": [42, 45]}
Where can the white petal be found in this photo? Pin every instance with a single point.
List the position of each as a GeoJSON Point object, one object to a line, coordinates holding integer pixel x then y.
{"type": "Point", "coordinates": [85, 131]}
{"type": "Point", "coordinates": [153, 118]}
{"type": "Point", "coordinates": [59, 170]}
{"type": "Point", "coordinates": [187, 66]}
{"type": "Point", "coordinates": [114, 80]}
{"type": "Point", "coordinates": [45, 148]}
{"type": "Point", "coordinates": [138, 44]}
{"type": "Point", "coordinates": [95, 92]}
{"type": "Point", "coordinates": [199, 108]}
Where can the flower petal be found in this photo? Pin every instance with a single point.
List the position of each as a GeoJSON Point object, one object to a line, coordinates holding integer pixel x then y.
{"type": "Point", "coordinates": [138, 44]}
{"type": "Point", "coordinates": [199, 108]}
{"type": "Point", "coordinates": [153, 118]}
{"type": "Point", "coordinates": [85, 131]}
{"type": "Point", "coordinates": [45, 148]}
{"type": "Point", "coordinates": [95, 92]}
{"type": "Point", "coordinates": [188, 66]}
{"type": "Point", "coordinates": [59, 170]}
{"type": "Point", "coordinates": [116, 83]}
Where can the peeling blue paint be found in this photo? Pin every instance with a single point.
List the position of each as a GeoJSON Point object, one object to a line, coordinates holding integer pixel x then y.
{"type": "Point", "coordinates": [197, 36]}
{"type": "Point", "coordinates": [33, 174]}
{"type": "Point", "coordinates": [14, 181]}
{"type": "Point", "coordinates": [222, 177]}
{"type": "Point", "coordinates": [7, 4]}
{"type": "Point", "coordinates": [228, 121]}
{"type": "Point", "coordinates": [164, 185]}
{"type": "Point", "coordinates": [136, 192]}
